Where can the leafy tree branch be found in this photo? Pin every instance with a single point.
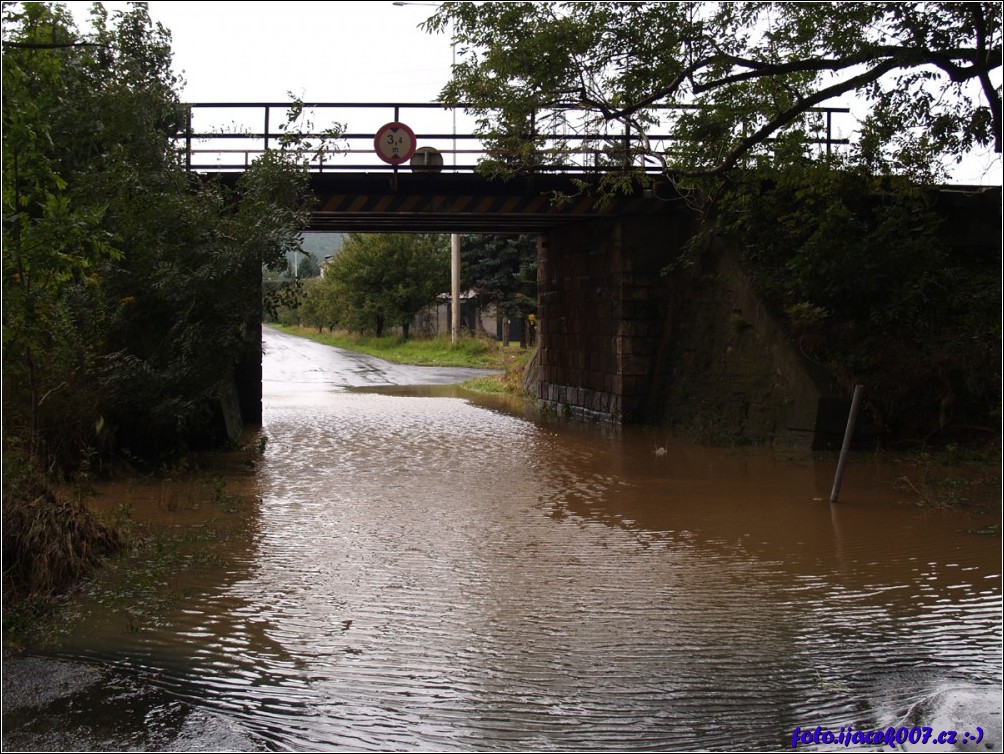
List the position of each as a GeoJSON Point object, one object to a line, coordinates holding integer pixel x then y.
{"type": "Point", "coordinates": [739, 75]}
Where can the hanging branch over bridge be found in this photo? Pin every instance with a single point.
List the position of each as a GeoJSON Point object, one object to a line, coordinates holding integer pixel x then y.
{"type": "Point", "coordinates": [753, 72]}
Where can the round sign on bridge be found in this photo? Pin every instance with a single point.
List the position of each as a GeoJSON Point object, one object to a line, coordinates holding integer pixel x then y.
{"type": "Point", "coordinates": [394, 143]}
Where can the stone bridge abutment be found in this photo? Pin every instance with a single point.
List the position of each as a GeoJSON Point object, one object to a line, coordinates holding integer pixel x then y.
{"type": "Point", "coordinates": [602, 307]}
{"type": "Point", "coordinates": [625, 340]}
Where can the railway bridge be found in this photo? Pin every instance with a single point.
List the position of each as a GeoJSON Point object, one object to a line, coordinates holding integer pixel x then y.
{"type": "Point", "coordinates": [616, 334]}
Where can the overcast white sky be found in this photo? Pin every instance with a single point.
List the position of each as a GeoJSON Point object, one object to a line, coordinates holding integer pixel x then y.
{"type": "Point", "coordinates": [343, 51]}
{"type": "Point", "coordinates": [331, 51]}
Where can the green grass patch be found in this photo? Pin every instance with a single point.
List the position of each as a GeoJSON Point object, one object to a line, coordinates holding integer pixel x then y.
{"type": "Point", "coordinates": [438, 351]}
{"type": "Point", "coordinates": [491, 384]}
{"type": "Point", "coordinates": [509, 382]}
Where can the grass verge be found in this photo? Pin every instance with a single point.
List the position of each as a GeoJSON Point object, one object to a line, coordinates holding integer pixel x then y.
{"type": "Point", "coordinates": [509, 381]}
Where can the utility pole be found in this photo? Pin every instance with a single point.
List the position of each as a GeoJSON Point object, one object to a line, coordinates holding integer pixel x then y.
{"type": "Point", "coordinates": [455, 287]}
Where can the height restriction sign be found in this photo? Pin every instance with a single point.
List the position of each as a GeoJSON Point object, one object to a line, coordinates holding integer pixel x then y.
{"type": "Point", "coordinates": [394, 143]}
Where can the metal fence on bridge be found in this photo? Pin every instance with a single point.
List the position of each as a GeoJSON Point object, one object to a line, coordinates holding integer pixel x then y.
{"type": "Point", "coordinates": [229, 136]}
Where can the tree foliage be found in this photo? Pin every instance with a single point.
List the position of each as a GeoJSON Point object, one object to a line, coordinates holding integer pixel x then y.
{"type": "Point", "coordinates": [317, 306]}
{"type": "Point", "coordinates": [130, 286]}
{"type": "Point", "coordinates": [501, 271]}
{"type": "Point", "coordinates": [385, 279]}
{"type": "Point", "coordinates": [876, 287]}
{"type": "Point", "coordinates": [739, 79]}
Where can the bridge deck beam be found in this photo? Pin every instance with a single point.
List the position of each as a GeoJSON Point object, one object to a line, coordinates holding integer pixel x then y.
{"type": "Point", "coordinates": [461, 203]}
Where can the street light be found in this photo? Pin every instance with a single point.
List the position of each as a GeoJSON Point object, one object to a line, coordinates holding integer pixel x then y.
{"type": "Point", "coordinates": [454, 237]}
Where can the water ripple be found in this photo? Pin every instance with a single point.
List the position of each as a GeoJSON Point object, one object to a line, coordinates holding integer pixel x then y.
{"type": "Point", "coordinates": [430, 575]}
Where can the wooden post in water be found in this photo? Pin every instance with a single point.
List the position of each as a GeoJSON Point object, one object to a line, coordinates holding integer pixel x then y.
{"type": "Point", "coordinates": [848, 433]}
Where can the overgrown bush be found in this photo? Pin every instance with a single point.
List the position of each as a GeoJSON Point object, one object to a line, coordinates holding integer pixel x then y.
{"type": "Point", "coordinates": [869, 276]}
{"type": "Point", "coordinates": [130, 286]}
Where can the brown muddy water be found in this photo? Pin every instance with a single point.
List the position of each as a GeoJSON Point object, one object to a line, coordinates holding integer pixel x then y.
{"type": "Point", "coordinates": [421, 571]}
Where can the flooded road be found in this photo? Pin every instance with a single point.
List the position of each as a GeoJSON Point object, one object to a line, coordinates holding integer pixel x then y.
{"type": "Point", "coordinates": [424, 573]}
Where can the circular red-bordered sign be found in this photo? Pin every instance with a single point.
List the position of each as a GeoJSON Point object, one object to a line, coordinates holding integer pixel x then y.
{"type": "Point", "coordinates": [394, 143]}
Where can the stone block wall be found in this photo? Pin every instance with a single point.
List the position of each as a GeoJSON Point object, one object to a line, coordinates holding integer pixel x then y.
{"type": "Point", "coordinates": [247, 378]}
{"type": "Point", "coordinates": [601, 313]}
{"type": "Point", "coordinates": [696, 350]}
{"type": "Point", "coordinates": [574, 315]}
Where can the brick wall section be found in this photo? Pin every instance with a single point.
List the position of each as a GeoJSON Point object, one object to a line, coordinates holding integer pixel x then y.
{"type": "Point", "coordinates": [247, 378]}
{"type": "Point", "coordinates": [577, 319]}
{"type": "Point", "coordinates": [602, 310]}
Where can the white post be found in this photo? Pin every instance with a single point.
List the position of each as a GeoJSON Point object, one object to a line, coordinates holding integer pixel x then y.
{"type": "Point", "coordinates": [455, 287]}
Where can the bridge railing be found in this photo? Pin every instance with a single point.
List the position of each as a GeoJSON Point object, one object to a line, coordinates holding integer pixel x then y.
{"type": "Point", "coordinates": [229, 136]}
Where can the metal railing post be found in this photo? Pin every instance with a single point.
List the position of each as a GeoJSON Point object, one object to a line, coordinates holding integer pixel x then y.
{"type": "Point", "coordinates": [627, 145]}
{"type": "Point", "coordinates": [533, 140]}
{"type": "Point", "coordinates": [188, 140]}
{"type": "Point", "coordinates": [829, 134]}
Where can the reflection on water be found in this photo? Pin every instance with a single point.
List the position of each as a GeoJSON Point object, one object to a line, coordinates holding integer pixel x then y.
{"type": "Point", "coordinates": [431, 574]}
